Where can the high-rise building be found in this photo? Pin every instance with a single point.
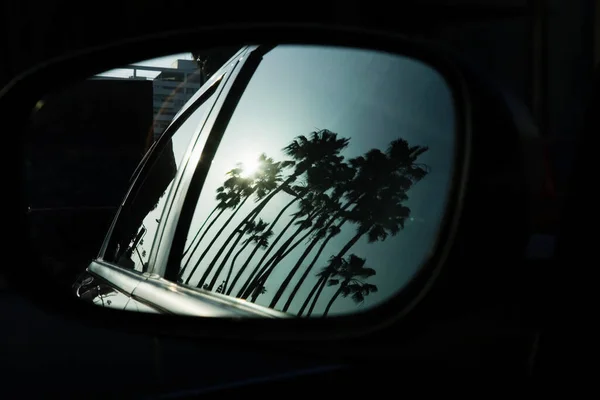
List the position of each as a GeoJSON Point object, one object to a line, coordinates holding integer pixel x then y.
{"type": "Point", "coordinates": [172, 89]}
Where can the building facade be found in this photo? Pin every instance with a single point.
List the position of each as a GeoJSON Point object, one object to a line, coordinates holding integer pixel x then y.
{"type": "Point", "coordinates": [172, 89]}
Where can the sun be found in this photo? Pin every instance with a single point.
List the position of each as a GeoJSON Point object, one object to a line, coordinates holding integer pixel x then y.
{"type": "Point", "coordinates": [250, 166]}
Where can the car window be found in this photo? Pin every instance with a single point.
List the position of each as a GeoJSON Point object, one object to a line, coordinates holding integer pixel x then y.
{"type": "Point", "coordinates": [329, 184]}
{"type": "Point", "coordinates": [138, 221]}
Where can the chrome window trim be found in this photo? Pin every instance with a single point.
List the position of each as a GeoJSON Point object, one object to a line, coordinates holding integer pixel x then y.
{"type": "Point", "coordinates": [221, 74]}
{"type": "Point", "coordinates": [184, 165]}
{"type": "Point", "coordinates": [182, 300]}
{"type": "Point", "coordinates": [125, 280]}
{"type": "Point", "coordinates": [226, 67]}
{"type": "Point", "coordinates": [169, 297]}
{"type": "Point", "coordinates": [159, 255]}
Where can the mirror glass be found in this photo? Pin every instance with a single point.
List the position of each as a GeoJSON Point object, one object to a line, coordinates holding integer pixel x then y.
{"type": "Point", "coordinates": [289, 181]}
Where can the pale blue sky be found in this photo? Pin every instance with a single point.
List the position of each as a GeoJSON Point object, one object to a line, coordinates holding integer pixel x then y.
{"type": "Point", "coordinates": [371, 98]}
{"type": "Point", "coordinates": [166, 62]}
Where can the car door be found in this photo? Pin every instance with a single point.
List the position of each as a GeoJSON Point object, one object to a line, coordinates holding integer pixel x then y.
{"type": "Point", "coordinates": [126, 255]}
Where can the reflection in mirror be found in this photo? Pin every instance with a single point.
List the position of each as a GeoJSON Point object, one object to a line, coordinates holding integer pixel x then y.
{"type": "Point", "coordinates": [328, 188]}
{"type": "Point", "coordinates": [324, 197]}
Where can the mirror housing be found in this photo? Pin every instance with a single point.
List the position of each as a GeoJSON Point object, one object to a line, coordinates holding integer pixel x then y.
{"type": "Point", "coordinates": [489, 175]}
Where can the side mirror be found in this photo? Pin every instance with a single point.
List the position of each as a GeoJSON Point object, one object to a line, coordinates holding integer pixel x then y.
{"type": "Point", "coordinates": [312, 187]}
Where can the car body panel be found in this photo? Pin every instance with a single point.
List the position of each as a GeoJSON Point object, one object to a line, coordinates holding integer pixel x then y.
{"type": "Point", "coordinates": [111, 286]}
{"type": "Point", "coordinates": [93, 288]}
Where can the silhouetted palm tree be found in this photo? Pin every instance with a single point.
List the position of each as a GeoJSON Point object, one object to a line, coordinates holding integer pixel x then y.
{"type": "Point", "coordinates": [258, 290]}
{"type": "Point", "coordinates": [261, 240]}
{"type": "Point", "coordinates": [336, 176]}
{"type": "Point", "coordinates": [377, 220]}
{"type": "Point", "coordinates": [322, 148]}
{"type": "Point", "coordinates": [314, 209]}
{"type": "Point", "coordinates": [242, 189]}
{"type": "Point", "coordinates": [229, 196]}
{"type": "Point", "coordinates": [309, 156]}
{"type": "Point", "coordinates": [331, 232]}
{"type": "Point", "coordinates": [250, 229]}
{"type": "Point", "coordinates": [329, 173]}
{"type": "Point", "coordinates": [298, 193]}
{"type": "Point", "coordinates": [223, 198]}
{"type": "Point", "coordinates": [379, 191]}
{"type": "Point", "coordinates": [350, 274]}
{"type": "Point", "coordinates": [265, 180]}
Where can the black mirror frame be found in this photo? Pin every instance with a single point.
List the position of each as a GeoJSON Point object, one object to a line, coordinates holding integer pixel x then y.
{"type": "Point", "coordinates": [19, 97]}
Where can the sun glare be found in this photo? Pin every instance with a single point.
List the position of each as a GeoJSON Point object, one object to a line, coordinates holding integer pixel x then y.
{"type": "Point", "coordinates": [250, 166]}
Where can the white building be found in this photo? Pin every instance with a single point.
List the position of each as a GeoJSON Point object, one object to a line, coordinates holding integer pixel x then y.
{"type": "Point", "coordinates": [172, 89]}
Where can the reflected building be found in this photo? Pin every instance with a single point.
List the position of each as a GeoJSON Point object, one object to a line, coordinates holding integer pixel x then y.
{"type": "Point", "coordinates": [173, 87]}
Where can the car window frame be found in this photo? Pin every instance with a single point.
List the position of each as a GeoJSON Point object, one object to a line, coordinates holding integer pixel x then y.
{"type": "Point", "coordinates": [217, 84]}
{"type": "Point", "coordinates": [150, 287]}
{"type": "Point", "coordinates": [164, 262]}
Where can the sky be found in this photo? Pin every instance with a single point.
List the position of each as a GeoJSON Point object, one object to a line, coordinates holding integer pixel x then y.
{"type": "Point", "coordinates": [370, 98]}
{"type": "Point", "coordinates": [166, 61]}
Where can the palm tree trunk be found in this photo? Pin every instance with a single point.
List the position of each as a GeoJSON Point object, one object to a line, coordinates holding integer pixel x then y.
{"type": "Point", "coordinates": [198, 243]}
{"type": "Point", "coordinates": [282, 252]}
{"type": "Point", "coordinates": [296, 267]}
{"type": "Point", "coordinates": [269, 228]}
{"type": "Point", "coordinates": [233, 264]}
{"type": "Point", "coordinates": [319, 288]}
{"type": "Point", "coordinates": [241, 270]}
{"type": "Point", "coordinates": [207, 271]}
{"type": "Point", "coordinates": [310, 266]}
{"type": "Point", "coordinates": [270, 196]}
{"type": "Point", "coordinates": [341, 254]}
{"type": "Point", "coordinates": [351, 243]}
{"type": "Point", "coordinates": [224, 262]}
{"type": "Point", "coordinates": [269, 268]}
{"type": "Point", "coordinates": [199, 230]}
{"type": "Point", "coordinates": [292, 272]}
{"type": "Point", "coordinates": [333, 299]}
{"type": "Point", "coordinates": [258, 266]}
{"type": "Point", "coordinates": [308, 298]}
{"type": "Point", "coordinates": [258, 279]}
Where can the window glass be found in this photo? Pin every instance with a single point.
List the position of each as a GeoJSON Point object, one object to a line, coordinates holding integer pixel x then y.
{"type": "Point", "coordinates": [139, 219]}
{"type": "Point", "coordinates": [329, 185]}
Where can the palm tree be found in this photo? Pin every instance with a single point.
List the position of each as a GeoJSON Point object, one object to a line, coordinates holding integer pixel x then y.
{"type": "Point", "coordinates": [224, 203]}
{"type": "Point", "coordinates": [257, 275]}
{"type": "Point", "coordinates": [281, 254]}
{"type": "Point", "coordinates": [348, 276]}
{"type": "Point", "coordinates": [330, 173]}
{"type": "Point", "coordinates": [265, 180]}
{"type": "Point", "coordinates": [308, 155]}
{"type": "Point", "coordinates": [243, 188]}
{"type": "Point", "coordinates": [322, 148]}
{"type": "Point", "coordinates": [258, 267]}
{"type": "Point", "coordinates": [376, 219]}
{"type": "Point", "coordinates": [258, 290]}
{"type": "Point", "coordinates": [314, 207]}
{"type": "Point", "coordinates": [379, 191]}
{"type": "Point", "coordinates": [251, 228]}
{"type": "Point", "coordinates": [230, 196]}
{"type": "Point", "coordinates": [297, 195]}
{"type": "Point", "coordinates": [336, 176]}
{"type": "Point", "coordinates": [331, 232]}
{"type": "Point", "coordinates": [260, 239]}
